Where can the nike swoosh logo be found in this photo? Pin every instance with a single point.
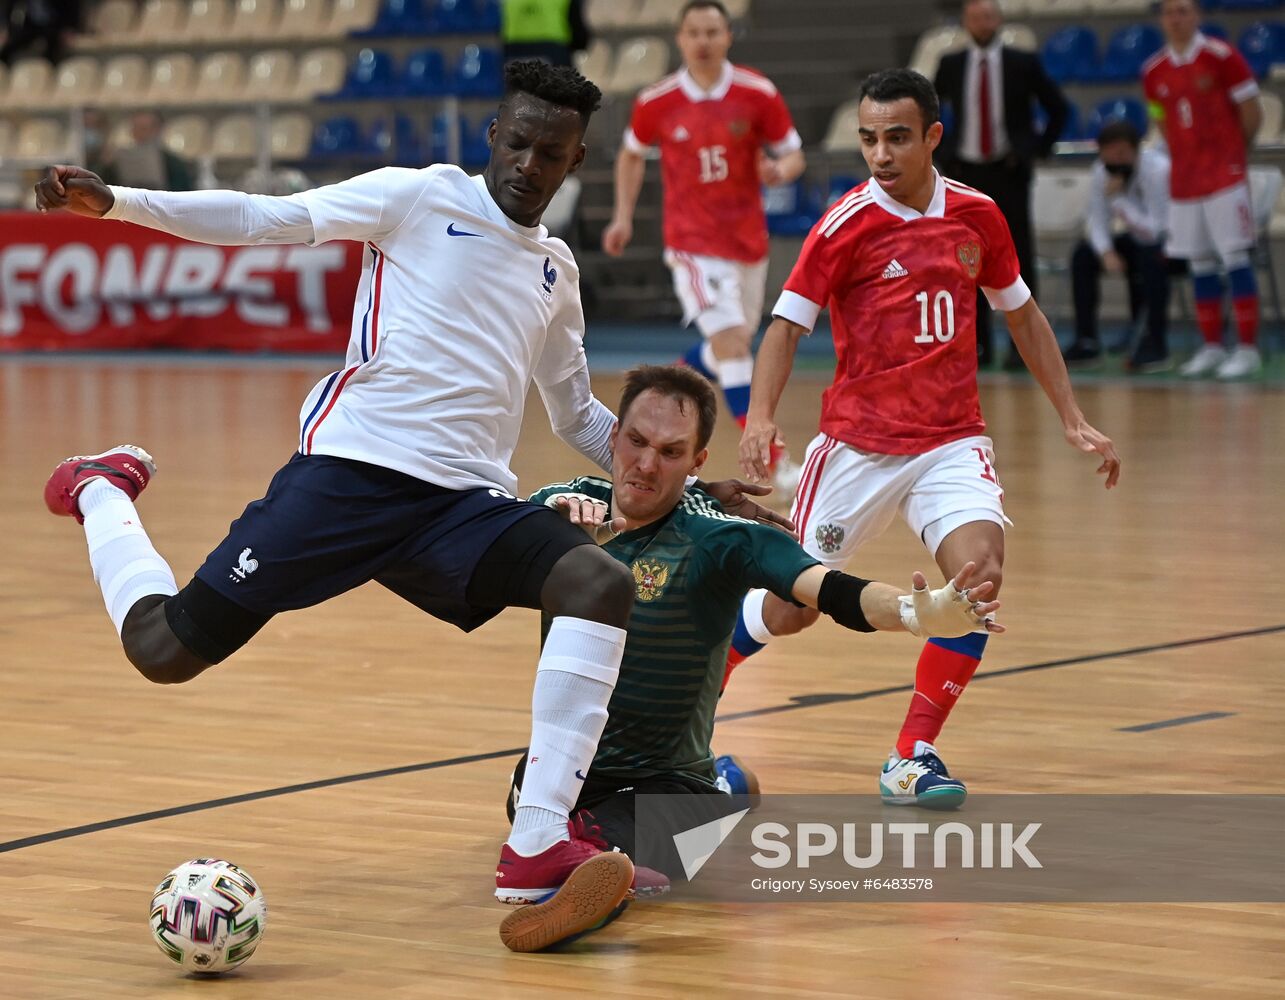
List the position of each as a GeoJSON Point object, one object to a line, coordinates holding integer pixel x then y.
{"type": "Point", "coordinates": [452, 231]}
{"type": "Point", "coordinates": [579, 775]}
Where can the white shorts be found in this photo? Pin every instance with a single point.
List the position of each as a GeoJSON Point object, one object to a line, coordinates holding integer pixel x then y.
{"type": "Point", "coordinates": [847, 497]}
{"type": "Point", "coordinates": [1211, 228]}
{"type": "Point", "coordinates": [717, 294]}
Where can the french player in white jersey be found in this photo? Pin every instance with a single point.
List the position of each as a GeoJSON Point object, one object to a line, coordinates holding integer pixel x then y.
{"type": "Point", "coordinates": [402, 471]}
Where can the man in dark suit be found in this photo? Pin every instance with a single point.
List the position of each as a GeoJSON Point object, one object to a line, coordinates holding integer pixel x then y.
{"type": "Point", "coordinates": [996, 152]}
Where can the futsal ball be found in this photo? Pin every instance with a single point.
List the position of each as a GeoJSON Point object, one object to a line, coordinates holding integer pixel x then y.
{"type": "Point", "coordinates": [208, 915]}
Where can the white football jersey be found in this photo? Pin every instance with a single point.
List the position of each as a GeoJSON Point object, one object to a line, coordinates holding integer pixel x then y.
{"type": "Point", "coordinates": [458, 309]}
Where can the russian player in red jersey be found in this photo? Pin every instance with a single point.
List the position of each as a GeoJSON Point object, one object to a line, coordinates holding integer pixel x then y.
{"type": "Point", "coordinates": [1206, 99]}
{"type": "Point", "coordinates": [713, 122]}
{"type": "Point", "coordinates": [898, 262]}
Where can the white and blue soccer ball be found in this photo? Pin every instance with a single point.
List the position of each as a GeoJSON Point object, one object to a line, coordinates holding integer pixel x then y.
{"type": "Point", "coordinates": [208, 915]}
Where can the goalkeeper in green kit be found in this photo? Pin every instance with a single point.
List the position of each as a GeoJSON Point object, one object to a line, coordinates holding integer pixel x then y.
{"type": "Point", "coordinates": [692, 565]}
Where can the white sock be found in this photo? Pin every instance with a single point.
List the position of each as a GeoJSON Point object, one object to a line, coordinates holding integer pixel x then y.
{"type": "Point", "coordinates": [736, 372]}
{"type": "Point", "coordinates": [126, 567]}
{"type": "Point", "coordinates": [573, 683]}
{"type": "Point", "coordinates": [711, 363]}
{"type": "Point", "coordinates": [752, 615]}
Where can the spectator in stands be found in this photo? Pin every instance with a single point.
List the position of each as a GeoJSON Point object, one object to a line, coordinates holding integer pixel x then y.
{"type": "Point", "coordinates": [986, 91]}
{"type": "Point", "coordinates": [543, 29]}
{"type": "Point", "coordinates": [1127, 220]}
{"type": "Point", "coordinates": [38, 22]}
{"type": "Point", "coordinates": [147, 163]}
{"type": "Point", "coordinates": [1205, 97]}
{"type": "Point", "coordinates": [95, 126]}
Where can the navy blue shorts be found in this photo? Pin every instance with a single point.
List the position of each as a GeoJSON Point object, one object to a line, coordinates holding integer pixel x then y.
{"type": "Point", "coordinates": [328, 525]}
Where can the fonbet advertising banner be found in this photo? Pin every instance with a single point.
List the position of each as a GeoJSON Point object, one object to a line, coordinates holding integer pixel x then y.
{"type": "Point", "coordinates": [70, 283]}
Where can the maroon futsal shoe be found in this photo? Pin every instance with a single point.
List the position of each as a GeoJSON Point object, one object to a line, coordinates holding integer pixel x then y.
{"type": "Point", "coordinates": [521, 880]}
{"type": "Point", "coordinates": [126, 467]}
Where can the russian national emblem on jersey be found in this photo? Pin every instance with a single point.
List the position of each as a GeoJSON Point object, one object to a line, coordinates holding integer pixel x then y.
{"type": "Point", "coordinates": [829, 537]}
{"type": "Point", "coordinates": [970, 258]}
{"type": "Point", "coordinates": [651, 578]}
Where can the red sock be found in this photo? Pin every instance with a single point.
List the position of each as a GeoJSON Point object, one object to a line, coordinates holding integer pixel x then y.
{"type": "Point", "coordinates": [1209, 316]}
{"type": "Point", "coordinates": [945, 667]}
{"type": "Point", "coordinates": [1246, 312]}
{"type": "Point", "coordinates": [734, 660]}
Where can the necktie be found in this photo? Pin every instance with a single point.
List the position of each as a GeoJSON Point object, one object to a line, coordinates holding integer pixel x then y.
{"type": "Point", "coordinates": [984, 106]}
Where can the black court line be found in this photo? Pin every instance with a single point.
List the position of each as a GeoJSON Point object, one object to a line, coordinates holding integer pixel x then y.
{"type": "Point", "coordinates": [231, 800]}
{"type": "Point", "coordinates": [1147, 727]}
{"type": "Point", "coordinates": [809, 700]}
{"type": "Point", "coordinates": [796, 703]}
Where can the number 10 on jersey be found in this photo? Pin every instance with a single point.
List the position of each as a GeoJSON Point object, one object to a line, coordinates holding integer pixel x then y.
{"type": "Point", "coordinates": [942, 308]}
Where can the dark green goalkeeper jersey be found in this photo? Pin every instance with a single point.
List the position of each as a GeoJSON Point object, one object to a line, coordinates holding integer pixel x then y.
{"type": "Point", "coordinates": [691, 571]}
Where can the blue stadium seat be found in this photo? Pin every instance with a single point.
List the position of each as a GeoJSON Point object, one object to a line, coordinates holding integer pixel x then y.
{"type": "Point", "coordinates": [478, 73]}
{"type": "Point", "coordinates": [791, 209]}
{"type": "Point", "coordinates": [401, 17]}
{"type": "Point", "coordinates": [1213, 30]}
{"type": "Point", "coordinates": [424, 74]}
{"type": "Point", "coordinates": [436, 143]}
{"type": "Point", "coordinates": [371, 75]}
{"type": "Point", "coordinates": [1262, 44]}
{"type": "Point", "coordinates": [1128, 109]}
{"type": "Point", "coordinates": [339, 136]}
{"type": "Point", "coordinates": [1127, 50]}
{"type": "Point", "coordinates": [474, 149]}
{"type": "Point", "coordinates": [1071, 55]}
{"type": "Point", "coordinates": [1247, 4]}
{"type": "Point", "coordinates": [839, 186]}
{"type": "Point", "coordinates": [468, 17]}
{"type": "Point", "coordinates": [400, 144]}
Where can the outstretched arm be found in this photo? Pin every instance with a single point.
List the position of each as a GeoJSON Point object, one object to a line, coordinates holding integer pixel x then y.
{"type": "Point", "coordinates": [1034, 340]}
{"type": "Point", "coordinates": [867, 606]}
{"type": "Point", "coordinates": [224, 218]}
{"type": "Point", "coordinates": [579, 418]}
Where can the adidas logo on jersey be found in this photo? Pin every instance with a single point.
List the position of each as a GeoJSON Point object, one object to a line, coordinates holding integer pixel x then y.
{"type": "Point", "coordinates": [681, 134]}
{"type": "Point", "coordinates": [894, 270]}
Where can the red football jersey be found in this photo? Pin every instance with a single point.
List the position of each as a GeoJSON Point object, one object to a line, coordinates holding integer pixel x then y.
{"type": "Point", "coordinates": [709, 147]}
{"type": "Point", "coordinates": [902, 292]}
{"type": "Point", "coordinates": [1198, 94]}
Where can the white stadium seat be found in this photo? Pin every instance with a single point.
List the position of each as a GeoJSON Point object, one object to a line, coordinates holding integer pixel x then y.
{"type": "Point", "coordinates": [841, 136]}
{"type": "Point", "coordinates": [162, 21]}
{"type": "Point", "coordinates": [321, 71]}
{"type": "Point", "coordinates": [235, 138]}
{"type": "Point", "coordinates": [75, 82]}
{"type": "Point", "coordinates": [41, 139]}
{"type": "Point", "coordinates": [208, 20]}
{"type": "Point", "coordinates": [173, 80]}
{"type": "Point", "coordinates": [270, 76]}
{"type": "Point", "coordinates": [302, 20]}
{"type": "Point", "coordinates": [291, 136]}
{"type": "Point", "coordinates": [30, 81]}
{"type": "Point", "coordinates": [220, 78]}
{"type": "Point", "coordinates": [640, 62]}
{"type": "Point", "coordinates": [188, 136]}
{"type": "Point", "coordinates": [124, 82]}
{"type": "Point", "coordinates": [254, 20]}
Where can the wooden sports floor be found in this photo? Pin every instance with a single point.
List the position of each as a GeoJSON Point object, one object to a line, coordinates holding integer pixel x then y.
{"type": "Point", "coordinates": [1159, 601]}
